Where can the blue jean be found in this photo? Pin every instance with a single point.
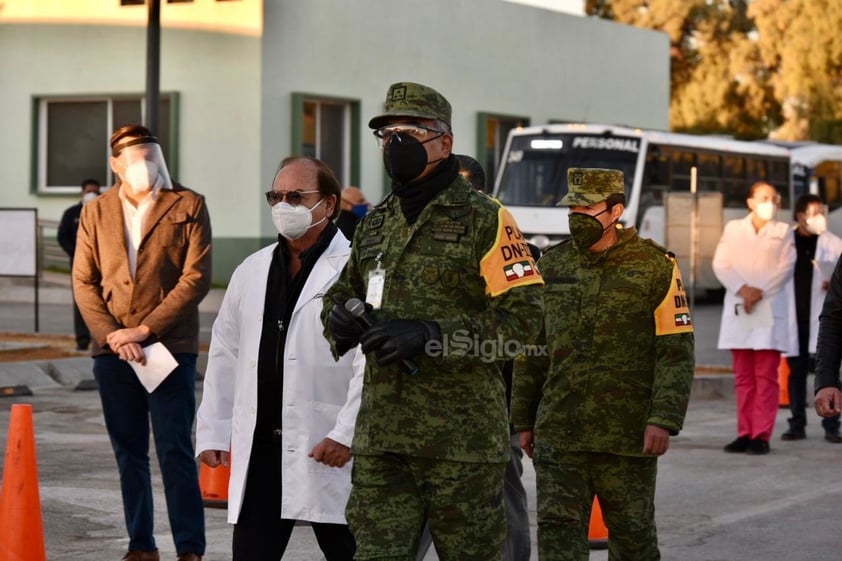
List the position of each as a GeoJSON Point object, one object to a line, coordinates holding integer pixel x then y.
{"type": "Point", "coordinates": [128, 408]}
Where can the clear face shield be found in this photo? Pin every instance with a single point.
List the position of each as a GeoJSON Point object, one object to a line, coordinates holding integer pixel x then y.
{"type": "Point", "coordinates": [139, 162]}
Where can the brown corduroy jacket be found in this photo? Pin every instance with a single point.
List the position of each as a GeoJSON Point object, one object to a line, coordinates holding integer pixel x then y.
{"type": "Point", "coordinates": [173, 269]}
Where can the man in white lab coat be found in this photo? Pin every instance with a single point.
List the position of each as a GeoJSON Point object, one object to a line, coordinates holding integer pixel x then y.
{"type": "Point", "coordinates": [818, 251]}
{"type": "Point", "coordinates": [754, 260]}
{"type": "Point", "coordinates": [275, 403]}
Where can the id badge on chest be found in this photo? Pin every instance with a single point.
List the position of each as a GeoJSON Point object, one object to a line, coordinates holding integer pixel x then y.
{"type": "Point", "coordinates": [376, 281]}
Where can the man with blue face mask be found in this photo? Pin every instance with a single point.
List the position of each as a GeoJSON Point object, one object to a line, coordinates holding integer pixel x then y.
{"type": "Point", "coordinates": [67, 228]}
{"type": "Point", "coordinates": [276, 406]}
{"type": "Point", "coordinates": [597, 409]}
{"type": "Point", "coordinates": [353, 208]}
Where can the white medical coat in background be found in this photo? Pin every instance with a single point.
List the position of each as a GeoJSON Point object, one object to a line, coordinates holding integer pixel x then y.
{"type": "Point", "coordinates": [764, 260]}
{"type": "Point", "coordinates": [828, 249]}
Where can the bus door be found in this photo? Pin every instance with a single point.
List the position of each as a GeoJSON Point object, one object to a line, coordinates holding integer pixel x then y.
{"type": "Point", "coordinates": [685, 237]}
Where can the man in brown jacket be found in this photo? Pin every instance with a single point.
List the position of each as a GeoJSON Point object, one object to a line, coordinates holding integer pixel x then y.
{"type": "Point", "coordinates": [142, 265]}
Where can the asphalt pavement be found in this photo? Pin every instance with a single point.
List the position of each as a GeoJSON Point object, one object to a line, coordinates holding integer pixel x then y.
{"type": "Point", "coordinates": [711, 506]}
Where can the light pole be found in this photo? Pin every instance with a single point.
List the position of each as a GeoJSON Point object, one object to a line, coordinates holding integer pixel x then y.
{"type": "Point", "coordinates": [153, 65]}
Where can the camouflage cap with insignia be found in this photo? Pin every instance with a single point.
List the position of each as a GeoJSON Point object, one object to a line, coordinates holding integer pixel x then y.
{"type": "Point", "coordinates": [407, 99]}
{"type": "Point", "coordinates": [588, 186]}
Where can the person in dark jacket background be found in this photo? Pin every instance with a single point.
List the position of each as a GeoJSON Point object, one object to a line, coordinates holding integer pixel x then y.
{"type": "Point", "coordinates": [67, 240]}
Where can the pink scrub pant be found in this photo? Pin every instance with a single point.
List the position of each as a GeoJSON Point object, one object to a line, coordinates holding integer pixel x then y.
{"type": "Point", "coordinates": [756, 385]}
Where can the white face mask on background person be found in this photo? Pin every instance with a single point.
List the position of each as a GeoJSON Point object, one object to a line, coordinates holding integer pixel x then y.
{"type": "Point", "coordinates": [141, 175]}
{"type": "Point", "coordinates": [88, 197]}
{"type": "Point", "coordinates": [293, 221]}
{"type": "Point", "coordinates": [765, 210]}
{"type": "Point", "coordinates": [817, 224]}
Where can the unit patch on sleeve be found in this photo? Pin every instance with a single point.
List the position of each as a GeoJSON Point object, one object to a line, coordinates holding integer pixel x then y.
{"type": "Point", "coordinates": [673, 313]}
{"type": "Point", "coordinates": [509, 262]}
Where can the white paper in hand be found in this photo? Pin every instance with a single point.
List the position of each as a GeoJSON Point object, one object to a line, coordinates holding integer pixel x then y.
{"type": "Point", "coordinates": [159, 364]}
{"type": "Point", "coordinates": [761, 316]}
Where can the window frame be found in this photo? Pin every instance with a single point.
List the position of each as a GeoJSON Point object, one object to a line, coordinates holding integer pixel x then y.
{"type": "Point", "coordinates": [481, 145]}
{"type": "Point", "coordinates": [38, 170]}
{"type": "Point", "coordinates": [353, 134]}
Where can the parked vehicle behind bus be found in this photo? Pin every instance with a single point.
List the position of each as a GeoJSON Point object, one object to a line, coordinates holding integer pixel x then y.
{"type": "Point", "coordinates": [656, 164]}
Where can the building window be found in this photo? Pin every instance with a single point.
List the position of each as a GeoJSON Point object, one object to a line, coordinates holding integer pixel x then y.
{"type": "Point", "coordinates": [328, 128]}
{"type": "Point", "coordinates": [71, 139]}
{"type": "Point", "coordinates": [492, 131]}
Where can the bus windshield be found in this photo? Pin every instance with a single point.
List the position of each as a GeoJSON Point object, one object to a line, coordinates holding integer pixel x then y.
{"type": "Point", "coordinates": [535, 173]}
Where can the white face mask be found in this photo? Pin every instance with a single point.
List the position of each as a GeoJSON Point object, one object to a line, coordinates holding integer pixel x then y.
{"type": "Point", "coordinates": [765, 210]}
{"type": "Point", "coordinates": [141, 176]}
{"type": "Point", "coordinates": [88, 197]}
{"type": "Point", "coordinates": [817, 224]}
{"type": "Point", "coordinates": [293, 221]}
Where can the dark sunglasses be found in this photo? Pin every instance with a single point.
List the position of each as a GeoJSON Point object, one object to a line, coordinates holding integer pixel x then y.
{"type": "Point", "coordinates": [292, 197]}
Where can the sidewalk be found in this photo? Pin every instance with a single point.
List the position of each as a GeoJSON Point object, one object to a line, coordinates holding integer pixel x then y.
{"type": "Point", "coordinates": [17, 315]}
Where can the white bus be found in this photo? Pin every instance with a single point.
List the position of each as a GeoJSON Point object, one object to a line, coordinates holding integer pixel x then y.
{"type": "Point", "coordinates": [817, 169]}
{"type": "Point", "coordinates": [533, 178]}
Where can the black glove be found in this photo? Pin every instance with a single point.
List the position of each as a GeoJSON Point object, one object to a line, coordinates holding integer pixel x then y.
{"type": "Point", "coordinates": [345, 328]}
{"type": "Point", "coordinates": [393, 340]}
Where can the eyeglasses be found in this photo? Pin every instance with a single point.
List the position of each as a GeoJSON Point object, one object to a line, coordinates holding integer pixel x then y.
{"type": "Point", "coordinates": [292, 197]}
{"type": "Point", "coordinates": [419, 132]}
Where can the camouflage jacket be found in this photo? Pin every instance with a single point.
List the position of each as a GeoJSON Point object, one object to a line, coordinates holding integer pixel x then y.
{"type": "Point", "coordinates": [465, 265]}
{"type": "Point", "coordinates": [619, 350]}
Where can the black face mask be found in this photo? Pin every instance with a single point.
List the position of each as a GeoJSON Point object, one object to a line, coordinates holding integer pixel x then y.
{"type": "Point", "coordinates": [405, 158]}
{"type": "Point", "coordinates": [585, 229]}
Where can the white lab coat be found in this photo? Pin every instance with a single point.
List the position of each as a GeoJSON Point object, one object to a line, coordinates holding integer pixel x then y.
{"type": "Point", "coordinates": [828, 250]}
{"type": "Point", "coordinates": [765, 260]}
{"type": "Point", "coordinates": [321, 397]}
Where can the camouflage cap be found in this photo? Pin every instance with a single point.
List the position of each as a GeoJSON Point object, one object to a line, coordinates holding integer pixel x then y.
{"type": "Point", "coordinates": [588, 186]}
{"type": "Point", "coordinates": [407, 99]}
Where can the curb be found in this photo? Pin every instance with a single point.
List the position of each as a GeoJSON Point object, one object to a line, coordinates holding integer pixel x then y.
{"type": "Point", "coordinates": [77, 373]}
{"type": "Point", "coordinates": [710, 381]}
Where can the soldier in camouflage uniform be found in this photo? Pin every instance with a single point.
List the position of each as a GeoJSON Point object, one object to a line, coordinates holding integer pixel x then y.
{"type": "Point", "coordinates": [598, 409]}
{"type": "Point", "coordinates": [444, 270]}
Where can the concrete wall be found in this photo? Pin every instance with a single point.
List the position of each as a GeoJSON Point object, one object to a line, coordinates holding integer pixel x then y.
{"type": "Point", "coordinates": [236, 89]}
{"type": "Point", "coordinates": [482, 55]}
{"type": "Point", "coordinates": [216, 75]}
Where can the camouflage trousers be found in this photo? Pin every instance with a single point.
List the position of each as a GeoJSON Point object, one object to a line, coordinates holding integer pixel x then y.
{"type": "Point", "coordinates": [625, 486]}
{"type": "Point", "coordinates": [392, 495]}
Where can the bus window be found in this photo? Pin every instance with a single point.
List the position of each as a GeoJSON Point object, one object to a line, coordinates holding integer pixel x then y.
{"type": "Point", "coordinates": [709, 166]}
{"type": "Point", "coordinates": [709, 174]}
{"type": "Point", "coordinates": [734, 188]}
{"type": "Point", "coordinates": [779, 177]}
{"type": "Point", "coordinates": [829, 175]}
{"type": "Point", "coordinates": [682, 163]}
{"type": "Point", "coordinates": [535, 171]}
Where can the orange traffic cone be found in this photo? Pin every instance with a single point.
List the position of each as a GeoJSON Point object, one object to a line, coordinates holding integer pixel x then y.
{"type": "Point", "coordinates": [597, 531]}
{"type": "Point", "coordinates": [213, 481]}
{"type": "Point", "coordinates": [21, 526]}
{"type": "Point", "coordinates": [783, 383]}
